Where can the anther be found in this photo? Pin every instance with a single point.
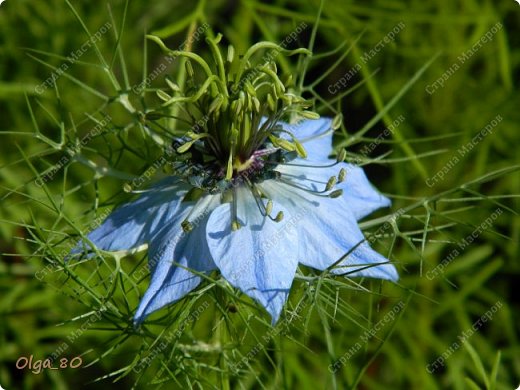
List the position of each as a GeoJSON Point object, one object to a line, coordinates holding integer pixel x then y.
{"type": "Point", "coordinates": [235, 225]}
{"type": "Point", "coordinates": [173, 86]}
{"type": "Point", "coordinates": [215, 104]}
{"type": "Point", "coordinates": [336, 122]}
{"type": "Point", "coordinates": [269, 207]}
{"type": "Point", "coordinates": [331, 183]}
{"type": "Point", "coordinates": [185, 147]}
{"type": "Point", "coordinates": [286, 145]}
{"type": "Point", "coordinates": [189, 69]}
{"type": "Point", "coordinates": [279, 216]}
{"type": "Point", "coordinates": [342, 174]}
{"type": "Point", "coordinates": [271, 102]}
{"type": "Point", "coordinates": [310, 115]}
{"type": "Point", "coordinates": [250, 89]}
{"type": "Point", "coordinates": [163, 95]}
{"type": "Point", "coordinates": [300, 149]}
{"type": "Point", "coordinates": [229, 169]}
{"type": "Point", "coordinates": [336, 194]}
{"type": "Point", "coordinates": [186, 226]}
{"type": "Point", "coordinates": [239, 104]}
{"type": "Point", "coordinates": [341, 155]}
{"type": "Point", "coordinates": [230, 53]}
{"type": "Point", "coordinates": [256, 103]}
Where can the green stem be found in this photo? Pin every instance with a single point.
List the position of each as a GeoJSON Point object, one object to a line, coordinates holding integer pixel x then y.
{"type": "Point", "coordinates": [195, 57]}
{"type": "Point", "coordinates": [221, 339]}
{"type": "Point", "coordinates": [217, 56]}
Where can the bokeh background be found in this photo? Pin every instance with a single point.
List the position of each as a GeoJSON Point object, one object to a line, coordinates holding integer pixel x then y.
{"type": "Point", "coordinates": [429, 96]}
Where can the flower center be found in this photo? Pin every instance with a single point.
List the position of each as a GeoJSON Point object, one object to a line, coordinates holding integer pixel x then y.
{"type": "Point", "coordinates": [233, 109]}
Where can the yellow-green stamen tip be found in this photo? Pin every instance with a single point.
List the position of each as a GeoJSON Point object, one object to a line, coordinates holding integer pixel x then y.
{"type": "Point", "coordinates": [336, 193]}
{"type": "Point", "coordinates": [310, 115]}
{"type": "Point", "coordinates": [336, 122]}
{"type": "Point", "coordinates": [341, 155]}
{"type": "Point", "coordinates": [342, 174]}
{"type": "Point", "coordinates": [331, 183]}
{"type": "Point", "coordinates": [186, 226]}
{"type": "Point", "coordinates": [300, 149]}
{"type": "Point", "coordinates": [269, 207]}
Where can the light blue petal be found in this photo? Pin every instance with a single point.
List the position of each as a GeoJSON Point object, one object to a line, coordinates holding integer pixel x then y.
{"type": "Point", "coordinates": [328, 231]}
{"type": "Point", "coordinates": [260, 258]}
{"type": "Point", "coordinates": [172, 251]}
{"type": "Point", "coordinates": [135, 223]}
{"type": "Point", "coordinates": [314, 134]}
{"type": "Point", "coordinates": [362, 198]}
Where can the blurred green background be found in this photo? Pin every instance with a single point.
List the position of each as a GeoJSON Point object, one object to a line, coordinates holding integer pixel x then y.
{"type": "Point", "coordinates": [371, 64]}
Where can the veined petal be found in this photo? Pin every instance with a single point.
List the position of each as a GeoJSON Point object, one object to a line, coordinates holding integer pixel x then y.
{"type": "Point", "coordinates": [134, 224]}
{"type": "Point", "coordinates": [362, 198]}
{"type": "Point", "coordinates": [260, 258]}
{"type": "Point", "coordinates": [328, 231]}
{"type": "Point", "coordinates": [172, 251]}
{"type": "Point", "coordinates": [314, 134]}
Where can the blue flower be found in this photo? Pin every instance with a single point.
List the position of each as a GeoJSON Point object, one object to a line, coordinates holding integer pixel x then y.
{"type": "Point", "coordinates": [280, 209]}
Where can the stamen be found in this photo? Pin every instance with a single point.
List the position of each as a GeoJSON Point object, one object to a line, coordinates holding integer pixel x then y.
{"type": "Point", "coordinates": [262, 208]}
{"type": "Point", "coordinates": [256, 103]}
{"type": "Point", "coordinates": [302, 165]}
{"type": "Point", "coordinates": [271, 102]}
{"type": "Point", "coordinates": [194, 138]}
{"type": "Point", "coordinates": [341, 155]}
{"type": "Point", "coordinates": [336, 194]}
{"type": "Point", "coordinates": [303, 188]}
{"type": "Point", "coordinates": [229, 170]}
{"type": "Point", "coordinates": [186, 226]}
{"type": "Point", "coordinates": [298, 146]}
{"type": "Point", "coordinates": [336, 122]}
{"type": "Point", "coordinates": [254, 189]}
{"type": "Point", "coordinates": [257, 196]}
{"type": "Point", "coordinates": [173, 85]}
{"type": "Point", "coordinates": [342, 175]}
{"type": "Point", "coordinates": [300, 149]}
{"type": "Point", "coordinates": [323, 194]}
{"type": "Point", "coordinates": [331, 183]}
{"type": "Point", "coordinates": [235, 225]}
{"type": "Point", "coordinates": [269, 207]}
{"type": "Point", "coordinates": [265, 210]}
{"type": "Point", "coordinates": [230, 54]}
{"type": "Point", "coordinates": [128, 189]}
{"type": "Point", "coordinates": [282, 143]}
{"type": "Point", "coordinates": [215, 104]}
{"type": "Point", "coordinates": [310, 115]}
{"type": "Point", "coordinates": [279, 216]}
{"type": "Point", "coordinates": [250, 89]}
{"type": "Point", "coordinates": [185, 146]}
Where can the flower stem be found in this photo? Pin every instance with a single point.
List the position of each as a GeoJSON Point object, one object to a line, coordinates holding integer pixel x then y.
{"type": "Point", "coordinates": [221, 339]}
